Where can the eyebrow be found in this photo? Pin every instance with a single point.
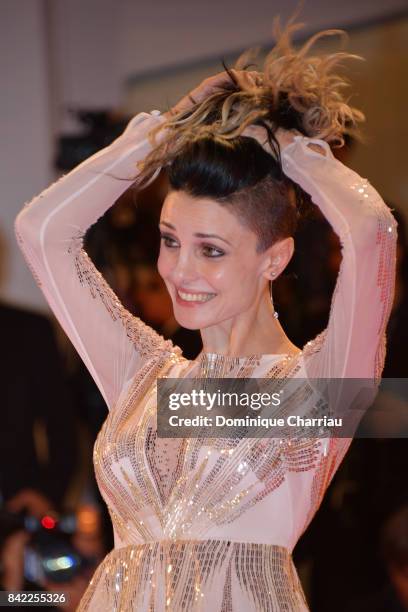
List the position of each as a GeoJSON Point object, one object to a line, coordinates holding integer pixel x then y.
{"type": "Point", "coordinates": [197, 234]}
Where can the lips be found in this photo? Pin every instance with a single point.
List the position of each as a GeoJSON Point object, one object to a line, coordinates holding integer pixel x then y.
{"type": "Point", "coordinates": [193, 298]}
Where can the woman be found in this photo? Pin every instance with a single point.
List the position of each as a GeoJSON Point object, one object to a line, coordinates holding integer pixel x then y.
{"type": "Point", "coordinates": [211, 524]}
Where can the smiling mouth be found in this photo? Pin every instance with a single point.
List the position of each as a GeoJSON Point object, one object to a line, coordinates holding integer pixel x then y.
{"type": "Point", "coordinates": [198, 298]}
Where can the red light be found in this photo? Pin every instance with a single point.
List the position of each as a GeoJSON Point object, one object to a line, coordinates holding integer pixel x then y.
{"type": "Point", "coordinates": [48, 522]}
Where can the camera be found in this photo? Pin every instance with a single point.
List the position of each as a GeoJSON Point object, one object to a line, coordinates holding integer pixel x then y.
{"type": "Point", "coordinates": [50, 554]}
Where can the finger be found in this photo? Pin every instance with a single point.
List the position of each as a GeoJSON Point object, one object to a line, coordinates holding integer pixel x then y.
{"type": "Point", "coordinates": [258, 78]}
{"type": "Point", "coordinates": [255, 74]}
{"type": "Point", "coordinates": [250, 78]}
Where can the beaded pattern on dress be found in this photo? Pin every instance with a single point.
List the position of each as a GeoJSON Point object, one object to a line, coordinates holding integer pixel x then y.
{"type": "Point", "coordinates": [213, 482]}
{"type": "Point", "coordinates": [180, 575]}
{"type": "Point", "coordinates": [148, 342]}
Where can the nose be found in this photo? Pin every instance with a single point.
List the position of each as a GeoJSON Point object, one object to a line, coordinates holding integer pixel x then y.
{"type": "Point", "coordinates": [185, 270]}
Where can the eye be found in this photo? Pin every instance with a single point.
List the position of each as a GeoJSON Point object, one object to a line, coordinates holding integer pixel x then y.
{"type": "Point", "coordinates": [211, 251]}
{"type": "Point", "coordinates": [169, 241]}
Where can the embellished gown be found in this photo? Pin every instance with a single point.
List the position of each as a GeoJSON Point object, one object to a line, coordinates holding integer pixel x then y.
{"type": "Point", "coordinates": [203, 524]}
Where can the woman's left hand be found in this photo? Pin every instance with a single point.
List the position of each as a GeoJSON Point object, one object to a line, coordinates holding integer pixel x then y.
{"type": "Point", "coordinates": [284, 138]}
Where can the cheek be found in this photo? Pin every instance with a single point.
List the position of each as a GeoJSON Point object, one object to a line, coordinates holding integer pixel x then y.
{"type": "Point", "coordinates": [221, 277]}
{"type": "Point", "coordinates": [234, 276]}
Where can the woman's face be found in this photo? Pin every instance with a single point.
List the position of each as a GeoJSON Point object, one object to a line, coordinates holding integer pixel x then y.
{"type": "Point", "coordinates": [208, 261]}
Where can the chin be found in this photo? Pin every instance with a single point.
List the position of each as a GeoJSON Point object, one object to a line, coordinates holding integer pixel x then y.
{"type": "Point", "coordinates": [188, 322]}
{"type": "Point", "coordinates": [193, 320]}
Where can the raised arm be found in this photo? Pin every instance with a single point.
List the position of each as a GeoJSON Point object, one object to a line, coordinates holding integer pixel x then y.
{"type": "Point", "coordinates": [353, 344]}
{"type": "Point", "coordinates": [50, 230]}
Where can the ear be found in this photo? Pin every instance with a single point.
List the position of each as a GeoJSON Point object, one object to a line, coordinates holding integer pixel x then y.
{"type": "Point", "coordinates": [277, 258]}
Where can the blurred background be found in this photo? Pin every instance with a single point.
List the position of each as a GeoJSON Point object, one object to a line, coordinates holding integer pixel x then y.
{"type": "Point", "coordinates": [73, 74]}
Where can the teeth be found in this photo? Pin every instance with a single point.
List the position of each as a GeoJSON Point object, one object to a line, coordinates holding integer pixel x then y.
{"type": "Point", "coordinates": [196, 297]}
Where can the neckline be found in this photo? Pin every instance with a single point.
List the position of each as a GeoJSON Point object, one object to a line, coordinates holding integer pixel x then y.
{"type": "Point", "coordinates": [210, 356]}
{"type": "Point", "coordinates": [215, 365]}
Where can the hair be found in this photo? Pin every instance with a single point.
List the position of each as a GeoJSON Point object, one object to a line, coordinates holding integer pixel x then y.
{"type": "Point", "coordinates": [207, 155]}
{"type": "Point", "coordinates": [244, 178]}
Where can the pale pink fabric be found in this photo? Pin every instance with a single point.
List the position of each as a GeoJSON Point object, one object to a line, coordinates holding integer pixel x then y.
{"type": "Point", "coordinates": [115, 346]}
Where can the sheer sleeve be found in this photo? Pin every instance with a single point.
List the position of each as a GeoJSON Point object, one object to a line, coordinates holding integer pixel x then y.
{"type": "Point", "coordinates": [353, 344]}
{"type": "Point", "coordinates": [113, 344]}
{"type": "Point", "coordinates": [352, 347]}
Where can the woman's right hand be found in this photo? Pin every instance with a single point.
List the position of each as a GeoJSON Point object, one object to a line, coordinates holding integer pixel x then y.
{"type": "Point", "coordinates": [211, 85]}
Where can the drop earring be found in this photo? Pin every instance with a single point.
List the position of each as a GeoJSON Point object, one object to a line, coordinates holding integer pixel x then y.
{"type": "Point", "coordinates": [275, 313]}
